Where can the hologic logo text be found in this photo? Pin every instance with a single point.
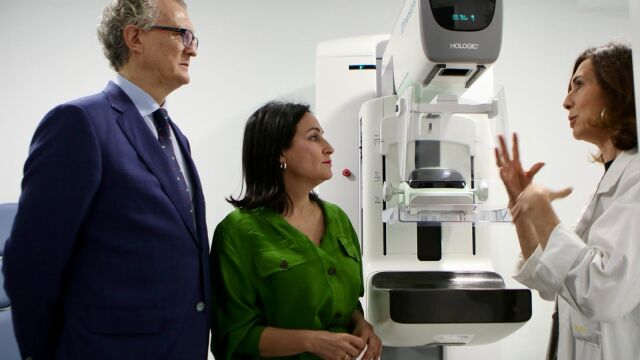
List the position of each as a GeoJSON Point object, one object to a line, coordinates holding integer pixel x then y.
{"type": "Point", "coordinates": [464, 46]}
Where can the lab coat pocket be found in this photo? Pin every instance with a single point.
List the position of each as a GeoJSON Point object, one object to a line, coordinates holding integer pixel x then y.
{"type": "Point", "coordinates": [587, 337]}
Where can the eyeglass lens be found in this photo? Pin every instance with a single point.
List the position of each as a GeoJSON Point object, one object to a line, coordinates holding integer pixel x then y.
{"type": "Point", "coordinates": [188, 39]}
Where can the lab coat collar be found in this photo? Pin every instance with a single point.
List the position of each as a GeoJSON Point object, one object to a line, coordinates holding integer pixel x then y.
{"type": "Point", "coordinates": [612, 175]}
{"type": "Point", "coordinates": [607, 184]}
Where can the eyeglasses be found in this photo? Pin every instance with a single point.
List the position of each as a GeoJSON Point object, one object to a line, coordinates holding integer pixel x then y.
{"type": "Point", "coordinates": [188, 38]}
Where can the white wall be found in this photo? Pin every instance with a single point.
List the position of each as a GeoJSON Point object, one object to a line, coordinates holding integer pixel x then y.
{"type": "Point", "coordinates": [253, 51]}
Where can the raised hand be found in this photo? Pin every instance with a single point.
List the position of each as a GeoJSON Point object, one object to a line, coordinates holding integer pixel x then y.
{"type": "Point", "coordinates": [535, 202]}
{"type": "Point", "coordinates": [514, 178]}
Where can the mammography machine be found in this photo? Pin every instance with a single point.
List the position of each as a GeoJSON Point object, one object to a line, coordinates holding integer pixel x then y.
{"type": "Point", "coordinates": [413, 117]}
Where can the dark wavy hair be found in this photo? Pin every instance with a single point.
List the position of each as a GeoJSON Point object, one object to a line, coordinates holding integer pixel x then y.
{"type": "Point", "coordinates": [614, 73]}
{"type": "Point", "coordinates": [268, 132]}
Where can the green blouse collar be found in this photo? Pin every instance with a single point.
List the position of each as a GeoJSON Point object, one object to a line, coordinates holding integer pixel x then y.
{"type": "Point", "coordinates": [330, 218]}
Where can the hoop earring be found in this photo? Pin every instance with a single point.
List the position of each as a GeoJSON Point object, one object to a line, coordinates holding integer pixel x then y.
{"type": "Point", "coordinates": [602, 113]}
{"type": "Point", "coordinates": [283, 166]}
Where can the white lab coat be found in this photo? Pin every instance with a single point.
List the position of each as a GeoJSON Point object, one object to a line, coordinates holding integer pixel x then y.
{"type": "Point", "coordinates": [595, 270]}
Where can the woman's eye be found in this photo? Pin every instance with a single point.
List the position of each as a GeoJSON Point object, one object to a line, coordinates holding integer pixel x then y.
{"type": "Point", "coordinates": [576, 84]}
{"type": "Point", "coordinates": [314, 138]}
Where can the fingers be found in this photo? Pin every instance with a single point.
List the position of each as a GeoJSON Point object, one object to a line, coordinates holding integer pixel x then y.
{"type": "Point", "coordinates": [498, 159]}
{"type": "Point", "coordinates": [532, 198]}
{"type": "Point", "coordinates": [356, 341]}
{"type": "Point", "coordinates": [338, 346]}
{"type": "Point", "coordinates": [503, 149]}
{"type": "Point", "coordinates": [353, 352]}
{"type": "Point", "coordinates": [354, 345]}
{"type": "Point", "coordinates": [514, 149]}
{"type": "Point", "coordinates": [374, 346]}
{"type": "Point", "coordinates": [369, 351]}
{"type": "Point", "coordinates": [534, 170]}
{"type": "Point", "coordinates": [553, 195]}
{"type": "Point", "coordinates": [368, 355]}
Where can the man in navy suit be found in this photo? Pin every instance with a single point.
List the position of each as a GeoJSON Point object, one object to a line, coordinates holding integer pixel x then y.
{"type": "Point", "coordinates": [107, 258]}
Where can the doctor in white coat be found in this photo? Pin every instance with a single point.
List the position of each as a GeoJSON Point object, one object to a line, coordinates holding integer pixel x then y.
{"type": "Point", "coordinates": [593, 271]}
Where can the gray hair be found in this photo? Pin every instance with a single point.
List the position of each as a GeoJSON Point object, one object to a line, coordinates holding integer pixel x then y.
{"type": "Point", "coordinates": [117, 15]}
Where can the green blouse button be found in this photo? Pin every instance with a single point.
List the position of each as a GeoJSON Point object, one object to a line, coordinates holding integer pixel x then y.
{"type": "Point", "coordinates": [284, 265]}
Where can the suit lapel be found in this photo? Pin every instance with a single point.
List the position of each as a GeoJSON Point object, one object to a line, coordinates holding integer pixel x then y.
{"type": "Point", "coordinates": [148, 148]}
{"type": "Point", "coordinates": [198, 204]}
{"type": "Point", "coordinates": [198, 199]}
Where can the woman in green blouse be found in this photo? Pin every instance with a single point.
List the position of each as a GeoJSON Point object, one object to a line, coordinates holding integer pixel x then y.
{"type": "Point", "coordinates": [286, 266]}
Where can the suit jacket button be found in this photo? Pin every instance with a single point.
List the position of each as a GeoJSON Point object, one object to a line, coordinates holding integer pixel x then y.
{"type": "Point", "coordinates": [200, 306]}
{"type": "Point", "coordinates": [284, 265]}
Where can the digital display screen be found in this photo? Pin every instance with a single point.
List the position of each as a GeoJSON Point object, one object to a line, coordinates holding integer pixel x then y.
{"type": "Point", "coordinates": [463, 15]}
{"type": "Point", "coordinates": [362, 67]}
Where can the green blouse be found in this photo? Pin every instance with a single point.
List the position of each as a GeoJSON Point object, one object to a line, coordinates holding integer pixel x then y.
{"type": "Point", "coordinates": [267, 273]}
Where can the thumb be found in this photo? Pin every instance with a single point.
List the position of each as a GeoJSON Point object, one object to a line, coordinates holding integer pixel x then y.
{"type": "Point", "coordinates": [553, 195]}
{"type": "Point", "coordinates": [534, 170]}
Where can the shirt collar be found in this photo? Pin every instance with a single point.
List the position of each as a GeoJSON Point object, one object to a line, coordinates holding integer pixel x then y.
{"type": "Point", "coordinates": [330, 218]}
{"type": "Point", "coordinates": [143, 101]}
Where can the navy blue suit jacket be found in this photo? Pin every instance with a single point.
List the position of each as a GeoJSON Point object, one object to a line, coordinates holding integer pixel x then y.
{"type": "Point", "coordinates": [105, 259]}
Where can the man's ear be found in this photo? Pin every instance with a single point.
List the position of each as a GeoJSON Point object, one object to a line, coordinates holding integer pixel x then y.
{"type": "Point", "coordinates": [132, 37]}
